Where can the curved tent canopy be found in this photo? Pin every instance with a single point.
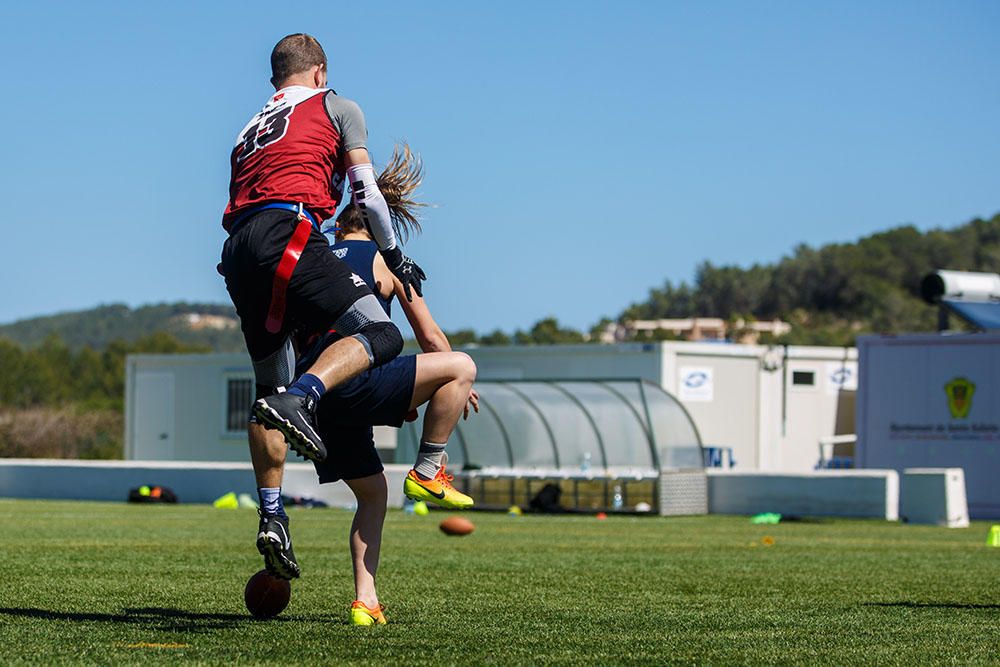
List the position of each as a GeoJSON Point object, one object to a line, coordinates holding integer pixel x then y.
{"type": "Point", "coordinates": [569, 426]}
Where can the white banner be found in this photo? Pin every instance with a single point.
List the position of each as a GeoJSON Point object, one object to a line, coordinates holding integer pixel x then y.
{"type": "Point", "coordinates": [841, 375]}
{"type": "Point", "coordinates": [695, 384]}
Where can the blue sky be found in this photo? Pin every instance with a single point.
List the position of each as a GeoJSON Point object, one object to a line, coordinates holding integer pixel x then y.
{"type": "Point", "coordinates": [578, 153]}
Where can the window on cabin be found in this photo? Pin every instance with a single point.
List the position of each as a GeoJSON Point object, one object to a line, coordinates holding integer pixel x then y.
{"type": "Point", "coordinates": [239, 396]}
{"type": "Point", "coordinates": [803, 378]}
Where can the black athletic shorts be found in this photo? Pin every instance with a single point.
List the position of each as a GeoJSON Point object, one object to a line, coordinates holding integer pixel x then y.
{"type": "Point", "coordinates": [378, 397]}
{"type": "Point", "coordinates": [320, 290]}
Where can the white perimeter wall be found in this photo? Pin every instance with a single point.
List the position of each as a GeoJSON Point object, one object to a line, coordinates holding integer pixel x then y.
{"type": "Point", "coordinates": [192, 481]}
{"type": "Point", "coordinates": [872, 494]}
{"type": "Point", "coordinates": [845, 493]}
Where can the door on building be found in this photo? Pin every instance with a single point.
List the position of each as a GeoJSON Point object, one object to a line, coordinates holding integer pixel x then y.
{"type": "Point", "coordinates": [154, 416]}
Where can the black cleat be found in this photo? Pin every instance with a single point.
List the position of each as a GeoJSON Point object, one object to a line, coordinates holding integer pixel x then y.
{"type": "Point", "coordinates": [275, 544]}
{"type": "Point", "coordinates": [295, 417]}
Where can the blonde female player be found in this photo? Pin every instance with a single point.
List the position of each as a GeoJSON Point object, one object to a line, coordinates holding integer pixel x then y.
{"type": "Point", "coordinates": [390, 393]}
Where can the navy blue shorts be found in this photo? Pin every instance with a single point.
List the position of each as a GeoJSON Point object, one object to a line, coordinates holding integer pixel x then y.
{"type": "Point", "coordinates": [378, 397]}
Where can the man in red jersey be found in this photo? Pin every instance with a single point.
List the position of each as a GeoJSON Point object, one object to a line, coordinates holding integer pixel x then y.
{"type": "Point", "coordinates": [289, 166]}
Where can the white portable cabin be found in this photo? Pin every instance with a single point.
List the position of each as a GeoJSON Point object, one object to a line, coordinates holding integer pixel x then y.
{"type": "Point", "coordinates": [193, 407]}
{"type": "Point", "coordinates": [771, 406]}
{"type": "Point", "coordinates": [766, 408]}
{"type": "Point", "coordinates": [933, 401]}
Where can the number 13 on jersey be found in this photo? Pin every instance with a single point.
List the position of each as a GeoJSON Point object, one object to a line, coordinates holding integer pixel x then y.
{"type": "Point", "coordinates": [270, 128]}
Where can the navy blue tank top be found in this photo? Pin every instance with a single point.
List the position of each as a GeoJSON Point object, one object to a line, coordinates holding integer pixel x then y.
{"type": "Point", "coordinates": [360, 256]}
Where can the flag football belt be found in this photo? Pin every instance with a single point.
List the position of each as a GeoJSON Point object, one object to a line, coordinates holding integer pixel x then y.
{"type": "Point", "coordinates": [283, 274]}
{"type": "Point", "coordinates": [293, 250]}
{"type": "Point", "coordinates": [284, 206]}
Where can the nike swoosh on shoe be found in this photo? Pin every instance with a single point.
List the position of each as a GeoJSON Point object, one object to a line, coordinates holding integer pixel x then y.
{"type": "Point", "coordinates": [305, 422]}
{"type": "Point", "coordinates": [439, 495]}
{"type": "Point", "coordinates": [277, 539]}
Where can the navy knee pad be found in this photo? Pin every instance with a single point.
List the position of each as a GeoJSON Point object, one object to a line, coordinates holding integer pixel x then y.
{"type": "Point", "coordinates": [382, 341]}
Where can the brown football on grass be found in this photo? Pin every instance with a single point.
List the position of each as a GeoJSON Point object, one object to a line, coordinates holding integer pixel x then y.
{"type": "Point", "coordinates": [456, 525]}
{"type": "Point", "coordinates": [266, 596]}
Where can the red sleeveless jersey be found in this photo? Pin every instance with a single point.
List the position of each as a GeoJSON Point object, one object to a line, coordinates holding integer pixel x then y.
{"type": "Point", "coordinates": [288, 152]}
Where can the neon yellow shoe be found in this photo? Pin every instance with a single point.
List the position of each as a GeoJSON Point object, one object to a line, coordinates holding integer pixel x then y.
{"type": "Point", "coordinates": [438, 491]}
{"type": "Point", "coordinates": [362, 615]}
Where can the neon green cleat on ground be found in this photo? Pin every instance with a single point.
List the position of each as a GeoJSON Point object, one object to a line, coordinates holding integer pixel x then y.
{"type": "Point", "coordinates": [362, 615]}
{"type": "Point", "coordinates": [438, 491]}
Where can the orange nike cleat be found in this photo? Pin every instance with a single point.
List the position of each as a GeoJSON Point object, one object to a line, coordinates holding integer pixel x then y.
{"type": "Point", "coordinates": [438, 491]}
{"type": "Point", "coordinates": [362, 615]}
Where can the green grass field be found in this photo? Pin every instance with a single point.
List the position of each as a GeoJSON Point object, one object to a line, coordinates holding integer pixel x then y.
{"type": "Point", "coordinates": [114, 584]}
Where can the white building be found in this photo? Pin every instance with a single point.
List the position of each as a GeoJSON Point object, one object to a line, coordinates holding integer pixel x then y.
{"type": "Point", "coordinates": [772, 406]}
{"type": "Point", "coordinates": [766, 408]}
{"type": "Point", "coordinates": [933, 401]}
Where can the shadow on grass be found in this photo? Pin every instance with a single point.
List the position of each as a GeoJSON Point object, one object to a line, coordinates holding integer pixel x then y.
{"type": "Point", "coordinates": [933, 605]}
{"type": "Point", "coordinates": [158, 618]}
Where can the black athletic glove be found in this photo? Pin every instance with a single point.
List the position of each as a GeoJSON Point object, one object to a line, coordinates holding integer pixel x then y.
{"type": "Point", "coordinates": [405, 269]}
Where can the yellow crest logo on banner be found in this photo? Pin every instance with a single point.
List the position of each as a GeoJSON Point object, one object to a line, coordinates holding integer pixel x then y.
{"type": "Point", "coordinates": [960, 391]}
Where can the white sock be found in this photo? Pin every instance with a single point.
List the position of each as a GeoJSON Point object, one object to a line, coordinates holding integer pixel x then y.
{"type": "Point", "coordinates": [429, 459]}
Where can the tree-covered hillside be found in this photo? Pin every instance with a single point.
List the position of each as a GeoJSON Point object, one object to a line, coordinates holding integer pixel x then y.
{"type": "Point", "coordinates": [213, 326]}
{"type": "Point", "coordinates": [833, 293]}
